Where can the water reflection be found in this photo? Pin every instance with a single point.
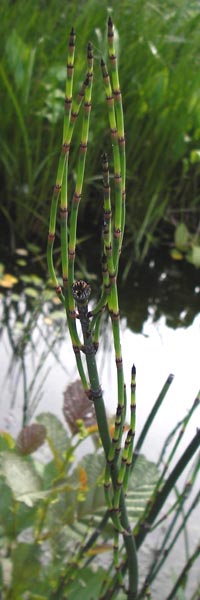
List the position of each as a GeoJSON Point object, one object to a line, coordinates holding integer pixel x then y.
{"type": "Point", "coordinates": [165, 288]}
{"type": "Point", "coordinates": [37, 362]}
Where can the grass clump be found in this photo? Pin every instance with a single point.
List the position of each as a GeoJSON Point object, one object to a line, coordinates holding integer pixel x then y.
{"type": "Point", "coordinates": [160, 78]}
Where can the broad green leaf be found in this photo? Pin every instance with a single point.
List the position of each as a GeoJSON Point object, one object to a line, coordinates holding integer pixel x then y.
{"type": "Point", "coordinates": [87, 584]}
{"type": "Point", "coordinates": [181, 236]}
{"type": "Point", "coordinates": [6, 505]}
{"type": "Point", "coordinates": [14, 516]}
{"type": "Point", "coordinates": [194, 156]}
{"type": "Point", "coordinates": [57, 315]}
{"type": "Point", "coordinates": [31, 292]}
{"type": "Point", "coordinates": [6, 441]}
{"type": "Point", "coordinates": [93, 465]}
{"type": "Point", "coordinates": [141, 485]}
{"type": "Point", "coordinates": [26, 568]}
{"type": "Point", "coordinates": [176, 254]}
{"type": "Point", "coordinates": [57, 435]}
{"type": "Point", "coordinates": [34, 248]}
{"type": "Point", "coordinates": [21, 262]}
{"type": "Point", "coordinates": [194, 256]}
{"type": "Point", "coordinates": [21, 477]}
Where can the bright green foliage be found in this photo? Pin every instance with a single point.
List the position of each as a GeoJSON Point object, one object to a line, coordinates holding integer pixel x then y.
{"type": "Point", "coordinates": [161, 107]}
{"type": "Point", "coordinates": [41, 532]}
{"type": "Point", "coordinates": [50, 507]}
{"type": "Point", "coordinates": [55, 518]}
{"type": "Point", "coordinates": [186, 245]}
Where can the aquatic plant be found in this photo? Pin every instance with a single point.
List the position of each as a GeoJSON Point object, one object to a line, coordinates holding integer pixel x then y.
{"type": "Point", "coordinates": [58, 517]}
{"type": "Point", "coordinates": [75, 297]}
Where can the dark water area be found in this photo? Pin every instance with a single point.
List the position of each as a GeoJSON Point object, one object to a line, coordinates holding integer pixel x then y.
{"type": "Point", "coordinates": [170, 288]}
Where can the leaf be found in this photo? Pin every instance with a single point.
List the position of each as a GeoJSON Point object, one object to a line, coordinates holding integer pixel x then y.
{"type": "Point", "coordinates": [6, 441]}
{"type": "Point", "coordinates": [143, 478]}
{"type": "Point", "coordinates": [181, 237]}
{"type": "Point", "coordinates": [141, 485]}
{"type": "Point", "coordinates": [31, 438]}
{"type": "Point", "coordinates": [34, 248]}
{"type": "Point", "coordinates": [77, 406]}
{"type": "Point", "coordinates": [194, 256]}
{"type": "Point", "coordinates": [6, 513]}
{"type": "Point", "coordinates": [57, 315]}
{"type": "Point", "coordinates": [176, 254]}
{"type": "Point", "coordinates": [21, 477]}
{"type": "Point", "coordinates": [87, 584]}
{"type": "Point", "coordinates": [21, 262]}
{"type": "Point", "coordinates": [57, 436]}
{"type": "Point", "coordinates": [93, 465]}
{"type": "Point", "coordinates": [26, 568]}
{"type": "Point", "coordinates": [31, 292]}
{"type": "Point", "coordinates": [8, 280]}
{"type": "Point", "coordinates": [194, 156]}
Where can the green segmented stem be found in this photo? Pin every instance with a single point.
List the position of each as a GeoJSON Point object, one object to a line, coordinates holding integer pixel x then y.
{"type": "Point", "coordinates": [63, 169]}
{"type": "Point", "coordinates": [77, 294]}
{"type": "Point", "coordinates": [107, 237]}
{"type": "Point", "coordinates": [116, 559]}
{"type": "Point", "coordinates": [63, 229]}
{"type": "Point", "coordinates": [177, 507]}
{"type": "Point", "coordinates": [116, 153]}
{"type": "Point", "coordinates": [152, 415]}
{"type": "Point", "coordinates": [69, 83]}
{"type": "Point", "coordinates": [117, 99]}
{"type": "Point", "coordinates": [174, 539]}
{"type": "Point", "coordinates": [175, 446]}
{"type": "Point", "coordinates": [111, 116]}
{"type": "Point", "coordinates": [113, 305]}
{"type": "Point", "coordinates": [96, 330]}
{"type": "Point", "coordinates": [52, 225]}
{"type": "Point", "coordinates": [80, 171]}
{"type": "Point", "coordinates": [178, 425]}
{"type": "Point", "coordinates": [132, 429]}
{"type": "Point", "coordinates": [154, 508]}
{"type": "Point", "coordinates": [81, 292]}
{"type": "Point", "coordinates": [180, 435]}
{"type": "Point", "coordinates": [123, 467]}
{"type": "Point", "coordinates": [182, 577]}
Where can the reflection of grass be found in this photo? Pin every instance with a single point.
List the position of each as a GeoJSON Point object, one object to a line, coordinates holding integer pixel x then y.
{"type": "Point", "coordinates": [29, 314]}
{"type": "Point", "coordinates": [161, 106]}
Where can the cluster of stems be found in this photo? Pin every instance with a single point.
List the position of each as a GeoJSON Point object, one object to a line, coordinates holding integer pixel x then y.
{"type": "Point", "coordinates": [119, 450]}
{"type": "Point", "coordinates": [75, 294]}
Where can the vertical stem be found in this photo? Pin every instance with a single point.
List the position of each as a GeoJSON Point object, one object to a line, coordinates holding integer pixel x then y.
{"type": "Point", "coordinates": [81, 292]}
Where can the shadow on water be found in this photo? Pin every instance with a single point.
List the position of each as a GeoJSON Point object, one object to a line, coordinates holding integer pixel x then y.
{"type": "Point", "coordinates": [164, 287]}
{"type": "Point", "coordinates": [159, 287]}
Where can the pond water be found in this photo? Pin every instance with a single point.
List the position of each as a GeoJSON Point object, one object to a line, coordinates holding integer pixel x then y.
{"type": "Point", "coordinates": [37, 364]}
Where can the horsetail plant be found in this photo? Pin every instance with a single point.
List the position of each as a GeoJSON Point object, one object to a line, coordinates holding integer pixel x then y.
{"type": "Point", "coordinates": [75, 294]}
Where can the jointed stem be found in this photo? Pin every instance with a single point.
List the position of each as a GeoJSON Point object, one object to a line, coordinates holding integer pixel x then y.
{"type": "Point", "coordinates": [81, 292]}
{"type": "Point", "coordinates": [76, 295]}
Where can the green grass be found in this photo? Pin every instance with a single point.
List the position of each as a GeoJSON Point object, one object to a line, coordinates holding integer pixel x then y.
{"type": "Point", "coordinates": [158, 51]}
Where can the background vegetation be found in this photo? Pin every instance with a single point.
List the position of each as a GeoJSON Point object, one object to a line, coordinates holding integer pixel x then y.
{"type": "Point", "coordinates": [159, 53]}
{"type": "Point", "coordinates": [49, 507]}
